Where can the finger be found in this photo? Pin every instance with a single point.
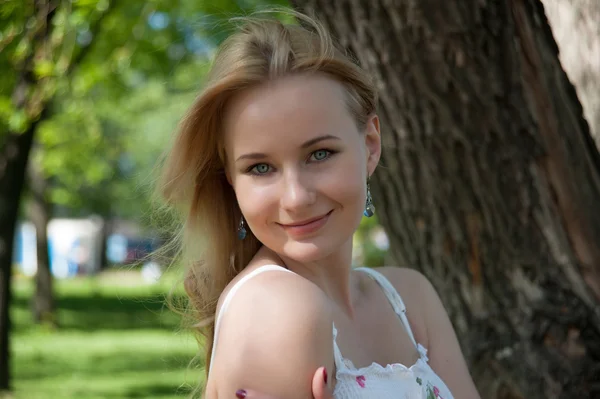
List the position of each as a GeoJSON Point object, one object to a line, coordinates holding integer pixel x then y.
{"type": "Point", "coordinates": [320, 384]}
{"type": "Point", "coordinates": [320, 388]}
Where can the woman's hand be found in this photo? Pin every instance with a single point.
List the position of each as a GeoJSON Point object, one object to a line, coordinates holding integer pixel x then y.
{"type": "Point", "coordinates": [320, 390]}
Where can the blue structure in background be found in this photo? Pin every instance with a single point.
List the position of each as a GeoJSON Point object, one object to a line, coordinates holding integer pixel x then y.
{"type": "Point", "coordinates": [74, 248]}
{"type": "Point", "coordinates": [24, 249]}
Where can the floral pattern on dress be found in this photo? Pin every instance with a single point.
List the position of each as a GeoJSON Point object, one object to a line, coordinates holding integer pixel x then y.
{"type": "Point", "coordinates": [432, 391]}
{"type": "Point", "coordinates": [361, 380]}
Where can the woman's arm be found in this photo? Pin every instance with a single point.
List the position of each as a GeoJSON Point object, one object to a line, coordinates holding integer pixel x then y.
{"type": "Point", "coordinates": [276, 333]}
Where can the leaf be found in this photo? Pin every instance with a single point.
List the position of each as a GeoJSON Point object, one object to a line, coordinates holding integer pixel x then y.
{"type": "Point", "coordinates": [44, 68]}
{"type": "Point", "coordinates": [18, 121]}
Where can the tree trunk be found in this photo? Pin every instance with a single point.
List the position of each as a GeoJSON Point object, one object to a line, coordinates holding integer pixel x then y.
{"type": "Point", "coordinates": [576, 28]}
{"type": "Point", "coordinates": [489, 182]}
{"type": "Point", "coordinates": [13, 164]}
{"type": "Point", "coordinates": [29, 95]}
{"type": "Point", "coordinates": [13, 160]}
{"type": "Point", "coordinates": [39, 213]}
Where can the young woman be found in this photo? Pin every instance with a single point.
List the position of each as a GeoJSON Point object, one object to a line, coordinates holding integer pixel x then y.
{"type": "Point", "coordinates": [271, 170]}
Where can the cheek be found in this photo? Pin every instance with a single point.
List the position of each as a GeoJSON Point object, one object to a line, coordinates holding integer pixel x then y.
{"type": "Point", "coordinates": [348, 191]}
{"type": "Point", "coordinates": [347, 185]}
{"type": "Point", "coordinates": [254, 200]}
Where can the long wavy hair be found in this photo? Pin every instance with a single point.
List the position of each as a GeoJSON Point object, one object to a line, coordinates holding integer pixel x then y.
{"type": "Point", "coordinates": [194, 181]}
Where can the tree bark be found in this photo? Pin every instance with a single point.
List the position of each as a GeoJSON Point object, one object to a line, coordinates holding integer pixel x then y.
{"type": "Point", "coordinates": [576, 28]}
{"type": "Point", "coordinates": [12, 160]}
{"type": "Point", "coordinates": [489, 182]}
{"type": "Point", "coordinates": [39, 213]}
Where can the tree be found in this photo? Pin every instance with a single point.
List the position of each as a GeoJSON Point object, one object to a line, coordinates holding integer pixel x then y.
{"type": "Point", "coordinates": [25, 108]}
{"type": "Point", "coordinates": [490, 184]}
{"type": "Point", "coordinates": [577, 31]}
{"type": "Point", "coordinates": [93, 52]}
{"type": "Point", "coordinates": [39, 213]}
{"type": "Point", "coordinates": [43, 42]}
{"type": "Point", "coordinates": [78, 150]}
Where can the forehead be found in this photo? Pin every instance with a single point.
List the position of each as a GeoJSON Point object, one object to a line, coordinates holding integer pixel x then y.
{"type": "Point", "coordinates": [286, 110]}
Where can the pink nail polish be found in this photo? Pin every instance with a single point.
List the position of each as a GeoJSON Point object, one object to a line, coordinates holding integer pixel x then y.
{"type": "Point", "coordinates": [241, 394]}
{"type": "Point", "coordinates": [325, 375]}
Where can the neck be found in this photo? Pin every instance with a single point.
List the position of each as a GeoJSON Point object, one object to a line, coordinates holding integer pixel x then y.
{"type": "Point", "coordinates": [332, 274]}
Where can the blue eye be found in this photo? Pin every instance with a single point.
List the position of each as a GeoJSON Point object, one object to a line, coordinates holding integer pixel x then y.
{"type": "Point", "coordinates": [320, 155]}
{"type": "Point", "coordinates": [260, 169]}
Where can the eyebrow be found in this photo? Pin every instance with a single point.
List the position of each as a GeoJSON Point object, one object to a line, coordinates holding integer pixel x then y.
{"type": "Point", "coordinates": [313, 141]}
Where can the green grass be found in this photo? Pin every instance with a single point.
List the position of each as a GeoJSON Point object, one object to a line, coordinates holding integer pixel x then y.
{"type": "Point", "coordinates": [115, 339]}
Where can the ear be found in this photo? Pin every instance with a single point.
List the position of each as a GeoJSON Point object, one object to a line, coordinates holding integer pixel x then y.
{"type": "Point", "coordinates": [372, 143]}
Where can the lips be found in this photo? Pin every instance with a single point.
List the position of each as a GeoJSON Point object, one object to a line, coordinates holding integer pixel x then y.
{"type": "Point", "coordinates": [307, 221]}
{"type": "Point", "coordinates": [307, 226]}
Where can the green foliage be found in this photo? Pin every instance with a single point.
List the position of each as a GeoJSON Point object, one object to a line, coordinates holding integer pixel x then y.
{"type": "Point", "coordinates": [115, 76]}
{"type": "Point", "coordinates": [93, 57]}
{"type": "Point", "coordinates": [215, 24]}
{"type": "Point", "coordinates": [371, 243]}
{"type": "Point", "coordinates": [114, 116]}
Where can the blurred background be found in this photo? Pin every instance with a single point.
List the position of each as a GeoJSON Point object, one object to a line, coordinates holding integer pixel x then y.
{"type": "Point", "coordinates": [95, 89]}
{"type": "Point", "coordinates": [110, 81]}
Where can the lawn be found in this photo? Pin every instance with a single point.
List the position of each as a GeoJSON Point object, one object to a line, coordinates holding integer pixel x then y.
{"type": "Point", "coordinates": [116, 339]}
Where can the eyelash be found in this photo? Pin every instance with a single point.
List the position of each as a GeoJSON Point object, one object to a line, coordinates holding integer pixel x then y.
{"type": "Point", "coordinates": [251, 170]}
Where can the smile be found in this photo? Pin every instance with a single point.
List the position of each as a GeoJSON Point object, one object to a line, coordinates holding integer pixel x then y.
{"type": "Point", "coordinates": [307, 226]}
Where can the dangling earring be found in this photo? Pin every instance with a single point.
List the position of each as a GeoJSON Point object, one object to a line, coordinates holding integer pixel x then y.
{"type": "Point", "coordinates": [242, 230]}
{"type": "Point", "coordinates": [369, 207]}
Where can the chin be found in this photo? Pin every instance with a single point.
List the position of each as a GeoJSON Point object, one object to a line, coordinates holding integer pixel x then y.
{"type": "Point", "coordinates": [307, 252]}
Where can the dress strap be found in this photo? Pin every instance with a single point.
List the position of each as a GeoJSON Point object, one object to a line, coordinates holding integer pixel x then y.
{"type": "Point", "coordinates": [230, 296]}
{"type": "Point", "coordinates": [393, 297]}
{"type": "Point", "coordinates": [337, 354]}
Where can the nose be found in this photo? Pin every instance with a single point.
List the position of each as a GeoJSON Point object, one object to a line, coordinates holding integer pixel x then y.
{"type": "Point", "coordinates": [298, 191]}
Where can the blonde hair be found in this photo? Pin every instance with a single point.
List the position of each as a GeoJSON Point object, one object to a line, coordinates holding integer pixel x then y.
{"type": "Point", "coordinates": [194, 179]}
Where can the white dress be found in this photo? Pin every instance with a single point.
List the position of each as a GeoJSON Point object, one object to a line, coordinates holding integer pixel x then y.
{"type": "Point", "coordinates": [395, 381]}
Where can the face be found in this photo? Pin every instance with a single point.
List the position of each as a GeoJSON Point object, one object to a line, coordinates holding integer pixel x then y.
{"type": "Point", "coordinates": [299, 165]}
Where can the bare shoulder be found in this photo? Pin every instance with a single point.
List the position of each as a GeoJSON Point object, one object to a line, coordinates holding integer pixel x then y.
{"type": "Point", "coordinates": [417, 294]}
{"type": "Point", "coordinates": [284, 286]}
{"type": "Point", "coordinates": [416, 291]}
{"type": "Point", "coordinates": [433, 329]}
{"type": "Point", "coordinates": [274, 334]}
{"type": "Point", "coordinates": [412, 285]}
{"type": "Point", "coordinates": [275, 300]}
{"type": "Point", "coordinates": [404, 277]}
